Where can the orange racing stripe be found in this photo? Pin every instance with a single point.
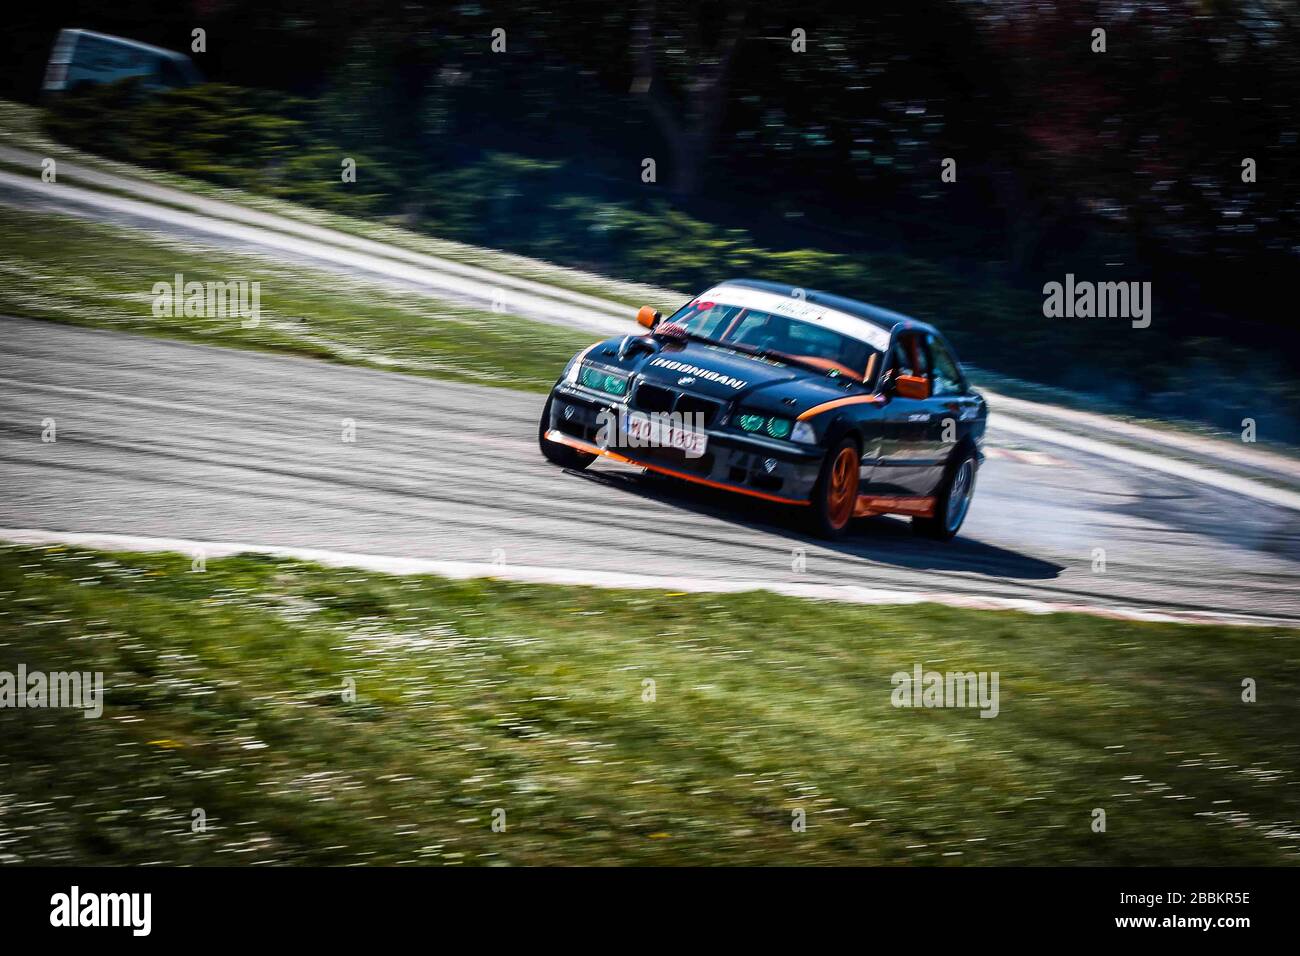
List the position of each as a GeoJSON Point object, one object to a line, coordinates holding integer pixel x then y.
{"type": "Point", "coordinates": [865, 506]}
{"type": "Point", "coordinates": [556, 435]}
{"type": "Point", "coordinates": [868, 505]}
{"type": "Point", "coordinates": [827, 406]}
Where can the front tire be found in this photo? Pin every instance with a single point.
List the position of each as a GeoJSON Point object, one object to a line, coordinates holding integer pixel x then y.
{"type": "Point", "coordinates": [953, 500]}
{"type": "Point", "coordinates": [836, 493]}
{"type": "Point", "coordinates": [554, 452]}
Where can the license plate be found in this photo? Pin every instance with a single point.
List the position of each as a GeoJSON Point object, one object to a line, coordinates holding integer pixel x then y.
{"type": "Point", "coordinates": [645, 432]}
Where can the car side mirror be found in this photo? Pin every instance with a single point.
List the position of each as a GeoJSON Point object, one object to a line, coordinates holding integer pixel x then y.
{"type": "Point", "coordinates": [911, 386]}
{"type": "Point", "coordinates": [647, 316]}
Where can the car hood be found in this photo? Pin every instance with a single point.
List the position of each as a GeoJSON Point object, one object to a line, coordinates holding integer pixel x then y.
{"type": "Point", "coordinates": [713, 371]}
{"type": "Point", "coordinates": [725, 375]}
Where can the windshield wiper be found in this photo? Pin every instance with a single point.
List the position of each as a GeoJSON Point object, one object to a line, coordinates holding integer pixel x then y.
{"type": "Point", "coordinates": [697, 337]}
{"type": "Point", "coordinates": [792, 360]}
{"type": "Point", "coordinates": [783, 357]}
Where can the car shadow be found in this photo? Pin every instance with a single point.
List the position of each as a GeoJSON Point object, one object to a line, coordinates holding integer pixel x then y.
{"type": "Point", "coordinates": [885, 539]}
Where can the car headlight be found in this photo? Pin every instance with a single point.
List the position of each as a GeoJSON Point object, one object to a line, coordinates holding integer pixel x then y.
{"type": "Point", "coordinates": [804, 432]}
{"type": "Point", "coordinates": [778, 427]}
{"type": "Point", "coordinates": [608, 382]}
{"type": "Point", "coordinates": [571, 370]}
{"type": "Point", "coordinates": [772, 425]}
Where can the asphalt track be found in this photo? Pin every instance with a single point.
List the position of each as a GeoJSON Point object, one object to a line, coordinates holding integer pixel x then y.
{"type": "Point", "coordinates": [166, 440]}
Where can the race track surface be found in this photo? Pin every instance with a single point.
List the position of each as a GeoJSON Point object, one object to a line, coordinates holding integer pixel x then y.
{"type": "Point", "coordinates": [173, 440]}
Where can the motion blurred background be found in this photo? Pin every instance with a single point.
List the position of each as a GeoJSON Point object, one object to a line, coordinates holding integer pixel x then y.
{"type": "Point", "coordinates": [821, 168]}
{"type": "Point", "coordinates": [818, 166]}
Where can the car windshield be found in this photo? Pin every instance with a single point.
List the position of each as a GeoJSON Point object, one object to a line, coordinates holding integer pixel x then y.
{"type": "Point", "coordinates": [779, 337]}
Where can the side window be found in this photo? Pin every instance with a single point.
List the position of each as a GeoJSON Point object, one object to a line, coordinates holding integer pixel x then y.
{"type": "Point", "coordinates": [898, 359]}
{"type": "Point", "coordinates": [909, 356]}
{"type": "Point", "coordinates": [947, 377]}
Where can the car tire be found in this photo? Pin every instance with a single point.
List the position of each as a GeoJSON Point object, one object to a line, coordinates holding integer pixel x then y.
{"type": "Point", "coordinates": [835, 495]}
{"type": "Point", "coordinates": [953, 500]}
{"type": "Point", "coordinates": [554, 452]}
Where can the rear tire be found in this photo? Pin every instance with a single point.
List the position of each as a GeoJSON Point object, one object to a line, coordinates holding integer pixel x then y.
{"type": "Point", "coordinates": [556, 453]}
{"type": "Point", "coordinates": [953, 500]}
{"type": "Point", "coordinates": [836, 493]}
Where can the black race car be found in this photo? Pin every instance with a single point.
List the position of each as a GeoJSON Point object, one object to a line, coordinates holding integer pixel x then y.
{"type": "Point", "coordinates": [785, 394]}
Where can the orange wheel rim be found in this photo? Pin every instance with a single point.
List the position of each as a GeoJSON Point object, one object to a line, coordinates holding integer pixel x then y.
{"type": "Point", "coordinates": [842, 492]}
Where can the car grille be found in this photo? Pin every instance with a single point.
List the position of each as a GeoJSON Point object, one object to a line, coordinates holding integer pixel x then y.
{"type": "Point", "coordinates": [655, 398]}
{"type": "Point", "coordinates": [652, 398]}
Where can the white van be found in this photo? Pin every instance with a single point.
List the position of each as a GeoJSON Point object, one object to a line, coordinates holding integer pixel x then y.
{"type": "Point", "coordinates": [82, 57]}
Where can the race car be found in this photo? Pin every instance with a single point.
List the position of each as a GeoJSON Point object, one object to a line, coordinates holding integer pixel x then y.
{"type": "Point", "coordinates": [788, 395]}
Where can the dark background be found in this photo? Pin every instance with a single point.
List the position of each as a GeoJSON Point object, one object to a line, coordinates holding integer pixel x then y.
{"type": "Point", "coordinates": [1117, 166]}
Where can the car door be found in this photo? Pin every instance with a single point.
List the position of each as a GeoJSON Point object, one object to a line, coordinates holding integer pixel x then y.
{"type": "Point", "coordinates": [907, 458]}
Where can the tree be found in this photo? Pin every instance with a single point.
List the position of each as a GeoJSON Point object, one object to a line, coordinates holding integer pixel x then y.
{"type": "Point", "coordinates": [691, 128]}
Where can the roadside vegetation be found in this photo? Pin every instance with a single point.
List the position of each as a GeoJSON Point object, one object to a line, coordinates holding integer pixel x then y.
{"type": "Point", "coordinates": [21, 128]}
{"type": "Point", "coordinates": [65, 269]}
{"type": "Point", "coordinates": [225, 694]}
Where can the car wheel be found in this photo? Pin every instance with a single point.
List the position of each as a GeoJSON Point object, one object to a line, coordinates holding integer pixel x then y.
{"type": "Point", "coordinates": [558, 454]}
{"type": "Point", "coordinates": [836, 493]}
{"type": "Point", "coordinates": [953, 500]}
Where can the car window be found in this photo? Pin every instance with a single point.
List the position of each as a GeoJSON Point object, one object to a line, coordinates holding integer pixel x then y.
{"type": "Point", "coordinates": [898, 359]}
{"type": "Point", "coordinates": [947, 376]}
{"type": "Point", "coordinates": [760, 330]}
{"type": "Point", "coordinates": [787, 335]}
{"type": "Point", "coordinates": [909, 358]}
{"type": "Point", "coordinates": [713, 319]}
{"type": "Point", "coordinates": [816, 345]}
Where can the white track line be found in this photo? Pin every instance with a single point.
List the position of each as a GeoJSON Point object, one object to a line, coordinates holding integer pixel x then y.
{"type": "Point", "coordinates": [534, 574]}
{"type": "Point", "coordinates": [1249, 456]}
{"type": "Point", "coordinates": [233, 212]}
{"type": "Point", "coordinates": [1142, 459]}
{"type": "Point", "coordinates": [440, 279]}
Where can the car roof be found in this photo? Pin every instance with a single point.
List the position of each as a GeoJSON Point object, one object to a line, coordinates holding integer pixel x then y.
{"type": "Point", "coordinates": [883, 318]}
{"type": "Point", "coordinates": [123, 41]}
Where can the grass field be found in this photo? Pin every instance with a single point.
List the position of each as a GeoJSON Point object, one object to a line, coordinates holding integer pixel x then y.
{"type": "Point", "coordinates": [225, 694]}
{"type": "Point", "coordinates": [82, 273]}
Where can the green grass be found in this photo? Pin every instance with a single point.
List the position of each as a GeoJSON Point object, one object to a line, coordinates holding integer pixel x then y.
{"type": "Point", "coordinates": [70, 270]}
{"type": "Point", "coordinates": [225, 695]}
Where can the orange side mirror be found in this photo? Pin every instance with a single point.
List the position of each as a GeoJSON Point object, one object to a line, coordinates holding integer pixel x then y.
{"type": "Point", "coordinates": [911, 386]}
{"type": "Point", "coordinates": [647, 316]}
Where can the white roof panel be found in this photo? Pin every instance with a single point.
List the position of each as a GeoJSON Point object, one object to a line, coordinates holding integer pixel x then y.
{"type": "Point", "coordinates": [796, 308]}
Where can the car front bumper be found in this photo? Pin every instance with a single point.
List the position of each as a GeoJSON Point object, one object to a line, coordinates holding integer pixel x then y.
{"type": "Point", "coordinates": [769, 469]}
